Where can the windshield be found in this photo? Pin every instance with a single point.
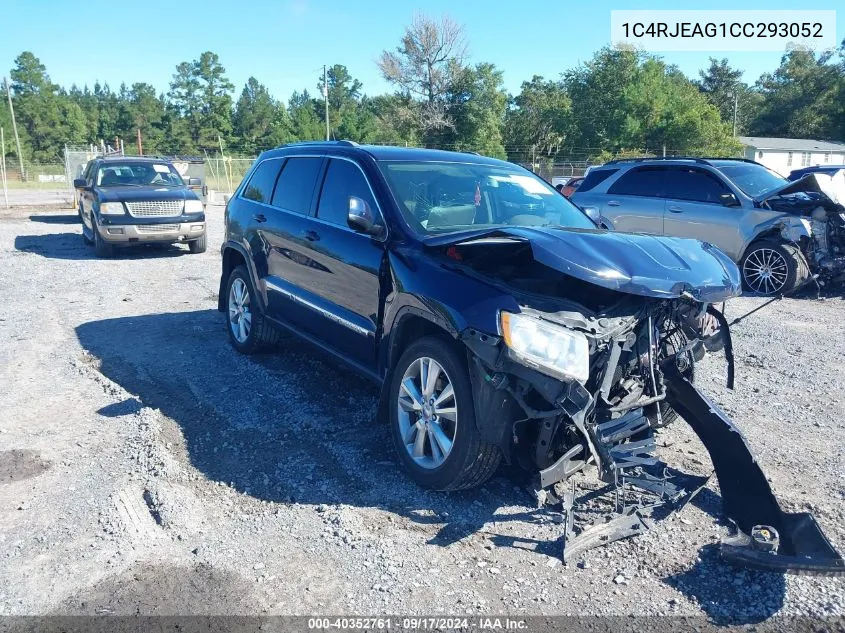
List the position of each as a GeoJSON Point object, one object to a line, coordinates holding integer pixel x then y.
{"type": "Point", "coordinates": [445, 197]}
{"type": "Point", "coordinates": [753, 180]}
{"type": "Point", "coordinates": [114, 174]}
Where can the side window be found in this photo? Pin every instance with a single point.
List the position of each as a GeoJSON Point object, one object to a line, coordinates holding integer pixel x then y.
{"type": "Point", "coordinates": [683, 183]}
{"type": "Point", "coordinates": [260, 186]}
{"type": "Point", "coordinates": [640, 181]}
{"type": "Point", "coordinates": [295, 187]}
{"type": "Point", "coordinates": [595, 178]}
{"type": "Point", "coordinates": [343, 179]}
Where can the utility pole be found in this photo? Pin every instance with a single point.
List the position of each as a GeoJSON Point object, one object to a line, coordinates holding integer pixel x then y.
{"type": "Point", "coordinates": [15, 128]}
{"type": "Point", "coordinates": [3, 166]}
{"type": "Point", "coordinates": [736, 102]}
{"type": "Point", "coordinates": [326, 97]}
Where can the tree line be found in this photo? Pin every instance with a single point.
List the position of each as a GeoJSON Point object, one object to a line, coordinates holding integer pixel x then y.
{"type": "Point", "coordinates": [621, 101]}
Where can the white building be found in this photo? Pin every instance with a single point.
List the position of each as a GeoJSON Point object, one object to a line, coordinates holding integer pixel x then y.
{"type": "Point", "coordinates": [786, 154]}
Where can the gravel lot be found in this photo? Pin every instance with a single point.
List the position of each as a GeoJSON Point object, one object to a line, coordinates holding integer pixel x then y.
{"type": "Point", "coordinates": [145, 467]}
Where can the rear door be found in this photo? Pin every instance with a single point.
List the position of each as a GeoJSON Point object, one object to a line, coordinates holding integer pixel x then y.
{"type": "Point", "coordinates": [694, 209]}
{"type": "Point", "coordinates": [342, 277]}
{"type": "Point", "coordinates": [284, 227]}
{"type": "Point", "coordinates": [634, 203]}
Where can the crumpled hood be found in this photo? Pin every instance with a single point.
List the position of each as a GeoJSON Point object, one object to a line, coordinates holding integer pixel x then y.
{"type": "Point", "coordinates": [831, 187]}
{"type": "Point", "coordinates": [645, 265]}
{"type": "Point", "coordinates": [132, 193]}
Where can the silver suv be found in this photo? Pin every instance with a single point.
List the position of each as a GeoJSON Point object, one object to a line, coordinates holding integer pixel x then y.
{"type": "Point", "coordinates": [779, 232]}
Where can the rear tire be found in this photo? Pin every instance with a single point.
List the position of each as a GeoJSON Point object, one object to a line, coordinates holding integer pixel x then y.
{"type": "Point", "coordinates": [248, 328]}
{"type": "Point", "coordinates": [468, 461]}
{"type": "Point", "coordinates": [102, 248]}
{"type": "Point", "coordinates": [198, 245]}
{"type": "Point", "coordinates": [770, 267]}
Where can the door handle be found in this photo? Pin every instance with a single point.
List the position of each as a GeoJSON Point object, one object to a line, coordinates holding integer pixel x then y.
{"type": "Point", "coordinates": [259, 217]}
{"type": "Point", "coordinates": [613, 203]}
{"type": "Point", "coordinates": [311, 236]}
{"type": "Point", "coordinates": [676, 209]}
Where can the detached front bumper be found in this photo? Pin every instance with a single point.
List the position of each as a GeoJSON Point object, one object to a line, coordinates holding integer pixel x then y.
{"type": "Point", "coordinates": [160, 232]}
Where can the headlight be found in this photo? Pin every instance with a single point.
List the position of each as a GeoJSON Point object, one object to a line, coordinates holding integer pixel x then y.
{"type": "Point", "coordinates": [193, 206]}
{"type": "Point", "coordinates": [111, 208]}
{"type": "Point", "coordinates": [549, 348]}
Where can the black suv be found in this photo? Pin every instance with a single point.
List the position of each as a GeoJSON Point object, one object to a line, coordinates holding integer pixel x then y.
{"type": "Point", "coordinates": [499, 320]}
{"type": "Point", "coordinates": [132, 200]}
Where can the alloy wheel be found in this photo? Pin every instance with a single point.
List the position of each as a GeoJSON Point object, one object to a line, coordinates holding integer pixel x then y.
{"type": "Point", "coordinates": [428, 413]}
{"type": "Point", "coordinates": [240, 316]}
{"type": "Point", "coordinates": [765, 270]}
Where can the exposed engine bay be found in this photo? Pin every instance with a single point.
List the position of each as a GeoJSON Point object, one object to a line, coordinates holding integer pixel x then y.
{"type": "Point", "coordinates": [643, 344]}
{"type": "Point", "coordinates": [816, 222]}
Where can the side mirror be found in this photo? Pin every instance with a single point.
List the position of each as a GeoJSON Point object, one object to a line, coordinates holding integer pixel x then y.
{"type": "Point", "coordinates": [194, 182]}
{"type": "Point", "coordinates": [361, 218]}
{"type": "Point", "coordinates": [729, 200]}
{"type": "Point", "coordinates": [80, 183]}
{"type": "Point", "coordinates": [592, 213]}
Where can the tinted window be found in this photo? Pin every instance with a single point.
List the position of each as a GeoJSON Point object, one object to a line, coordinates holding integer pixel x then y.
{"type": "Point", "coordinates": [683, 183]}
{"type": "Point", "coordinates": [260, 186]}
{"type": "Point", "coordinates": [343, 179]}
{"type": "Point", "coordinates": [295, 187]}
{"type": "Point", "coordinates": [642, 181]}
{"type": "Point", "coordinates": [596, 177]}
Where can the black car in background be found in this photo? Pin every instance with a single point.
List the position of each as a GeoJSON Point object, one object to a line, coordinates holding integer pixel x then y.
{"type": "Point", "coordinates": [132, 200]}
{"type": "Point", "coordinates": [500, 324]}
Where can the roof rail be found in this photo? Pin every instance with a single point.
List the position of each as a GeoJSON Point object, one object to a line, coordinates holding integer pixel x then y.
{"type": "Point", "coordinates": [171, 158]}
{"type": "Point", "coordinates": [641, 159]}
{"type": "Point", "coordinates": [703, 160]}
{"type": "Point", "coordinates": [344, 143]}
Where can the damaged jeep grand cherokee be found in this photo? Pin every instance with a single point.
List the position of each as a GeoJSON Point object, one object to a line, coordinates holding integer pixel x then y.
{"type": "Point", "coordinates": [502, 324]}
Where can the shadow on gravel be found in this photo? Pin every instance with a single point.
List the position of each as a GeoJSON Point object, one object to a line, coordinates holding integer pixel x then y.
{"type": "Point", "coordinates": [289, 426]}
{"type": "Point", "coordinates": [68, 218]}
{"type": "Point", "coordinates": [296, 426]}
{"type": "Point", "coordinates": [117, 409]}
{"type": "Point", "coordinates": [71, 246]}
{"type": "Point", "coordinates": [729, 595]}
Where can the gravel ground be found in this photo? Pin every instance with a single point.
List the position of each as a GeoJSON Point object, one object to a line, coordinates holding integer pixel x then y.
{"type": "Point", "coordinates": [147, 468]}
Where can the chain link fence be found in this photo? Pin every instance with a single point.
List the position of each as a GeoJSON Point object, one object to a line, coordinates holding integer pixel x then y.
{"type": "Point", "coordinates": [32, 175]}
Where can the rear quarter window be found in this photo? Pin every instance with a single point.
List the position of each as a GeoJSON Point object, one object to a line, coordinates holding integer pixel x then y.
{"type": "Point", "coordinates": [595, 178]}
{"type": "Point", "coordinates": [260, 185]}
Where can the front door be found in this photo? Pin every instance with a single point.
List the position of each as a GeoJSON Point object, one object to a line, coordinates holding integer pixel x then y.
{"type": "Point", "coordinates": [343, 279]}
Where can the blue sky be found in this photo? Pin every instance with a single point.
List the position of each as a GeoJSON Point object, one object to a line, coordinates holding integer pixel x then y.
{"type": "Point", "coordinates": [284, 43]}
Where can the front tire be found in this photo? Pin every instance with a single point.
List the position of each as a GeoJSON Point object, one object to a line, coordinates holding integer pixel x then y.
{"type": "Point", "coordinates": [102, 248]}
{"type": "Point", "coordinates": [198, 245]}
{"type": "Point", "coordinates": [770, 267]}
{"type": "Point", "coordinates": [432, 419]}
{"type": "Point", "coordinates": [249, 331]}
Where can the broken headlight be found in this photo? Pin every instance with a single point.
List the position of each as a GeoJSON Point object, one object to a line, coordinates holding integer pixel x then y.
{"type": "Point", "coordinates": [549, 348]}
